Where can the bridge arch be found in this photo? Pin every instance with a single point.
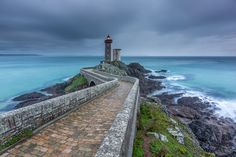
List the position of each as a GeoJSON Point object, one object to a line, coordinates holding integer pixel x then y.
{"type": "Point", "coordinates": [92, 83]}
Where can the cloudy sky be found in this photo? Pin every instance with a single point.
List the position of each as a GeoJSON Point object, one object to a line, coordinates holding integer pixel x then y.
{"type": "Point", "coordinates": [139, 27]}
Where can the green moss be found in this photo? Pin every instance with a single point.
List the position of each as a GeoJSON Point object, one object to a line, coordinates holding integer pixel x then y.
{"type": "Point", "coordinates": [14, 139]}
{"type": "Point", "coordinates": [77, 83]}
{"type": "Point", "coordinates": [138, 149]}
{"type": "Point", "coordinates": [153, 119]}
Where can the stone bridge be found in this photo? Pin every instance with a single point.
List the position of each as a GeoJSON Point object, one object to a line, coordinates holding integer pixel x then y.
{"type": "Point", "coordinates": [97, 121]}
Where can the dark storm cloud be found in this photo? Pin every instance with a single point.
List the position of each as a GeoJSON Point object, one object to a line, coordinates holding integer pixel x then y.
{"type": "Point", "coordinates": [159, 27]}
{"type": "Point", "coordinates": [196, 17]}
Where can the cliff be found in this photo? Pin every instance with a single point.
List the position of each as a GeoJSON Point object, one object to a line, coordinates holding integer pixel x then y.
{"type": "Point", "coordinates": [159, 131]}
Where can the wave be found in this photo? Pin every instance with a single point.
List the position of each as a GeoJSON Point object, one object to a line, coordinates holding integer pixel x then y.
{"type": "Point", "coordinates": [224, 107]}
{"type": "Point", "coordinates": [176, 78]}
{"type": "Point", "coordinates": [67, 78]}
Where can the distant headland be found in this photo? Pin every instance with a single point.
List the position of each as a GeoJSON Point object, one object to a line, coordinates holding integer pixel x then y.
{"type": "Point", "coordinates": [18, 54]}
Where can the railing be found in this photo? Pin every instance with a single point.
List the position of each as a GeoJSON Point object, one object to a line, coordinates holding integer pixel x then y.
{"type": "Point", "coordinates": [119, 140]}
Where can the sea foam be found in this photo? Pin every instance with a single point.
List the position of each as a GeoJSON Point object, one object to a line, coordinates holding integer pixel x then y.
{"type": "Point", "coordinates": [176, 78]}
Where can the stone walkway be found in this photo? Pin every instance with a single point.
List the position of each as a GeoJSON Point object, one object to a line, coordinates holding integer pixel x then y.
{"type": "Point", "coordinates": [78, 134]}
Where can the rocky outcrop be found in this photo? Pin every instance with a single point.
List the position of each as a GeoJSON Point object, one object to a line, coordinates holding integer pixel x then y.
{"type": "Point", "coordinates": [36, 97]}
{"type": "Point", "coordinates": [33, 95]}
{"type": "Point", "coordinates": [161, 71]}
{"type": "Point", "coordinates": [176, 132]}
{"type": "Point", "coordinates": [215, 134]}
{"type": "Point", "coordinates": [147, 86]}
{"type": "Point", "coordinates": [57, 89]}
{"type": "Point", "coordinates": [156, 77]}
{"type": "Point", "coordinates": [116, 69]}
{"type": "Point", "coordinates": [159, 136]}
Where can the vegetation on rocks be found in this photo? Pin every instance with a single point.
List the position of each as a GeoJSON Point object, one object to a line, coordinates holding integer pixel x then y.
{"type": "Point", "coordinates": [16, 138]}
{"type": "Point", "coordinates": [77, 82]}
{"type": "Point", "coordinates": [112, 69]}
{"type": "Point", "coordinates": [153, 119]}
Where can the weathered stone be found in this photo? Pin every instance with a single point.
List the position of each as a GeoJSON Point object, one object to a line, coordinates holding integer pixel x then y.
{"type": "Point", "coordinates": [159, 136]}
{"type": "Point", "coordinates": [176, 132]}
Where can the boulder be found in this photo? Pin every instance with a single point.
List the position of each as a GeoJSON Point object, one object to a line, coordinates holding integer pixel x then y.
{"type": "Point", "coordinates": [176, 132]}
{"type": "Point", "coordinates": [29, 96]}
{"type": "Point", "coordinates": [159, 136]}
{"type": "Point", "coordinates": [161, 71]}
{"type": "Point", "coordinates": [156, 77]}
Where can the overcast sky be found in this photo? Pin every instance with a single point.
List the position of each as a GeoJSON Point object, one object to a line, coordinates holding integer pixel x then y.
{"type": "Point", "coordinates": [138, 27]}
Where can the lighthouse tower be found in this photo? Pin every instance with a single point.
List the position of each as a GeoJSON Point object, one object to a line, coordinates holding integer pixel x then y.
{"type": "Point", "coordinates": [108, 52]}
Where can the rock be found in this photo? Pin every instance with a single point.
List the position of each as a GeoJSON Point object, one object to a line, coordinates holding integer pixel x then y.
{"type": "Point", "coordinates": [177, 134]}
{"type": "Point", "coordinates": [193, 102]}
{"type": "Point", "coordinates": [168, 99]}
{"type": "Point", "coordinates": [156, 77]}
{"type": "Point", "coordinates": [31, 101]}
{"type": "Point", "coordinates": [184, 112]}
{"type": "Point", "coordinates": [159, 136]}
{"type": "Point", "coordinates": [57, 89]}
{"type": "Point", "coordinates": [215, 136]}
{"type": "Point", "coordinates": [161, 71]}
{"type": "Point", "coordinates": [173, 121]}
{"type": "Point", "coordinates": [112, 69]}
{"type": "Point", "coordinates": [138, 67]}
{"type": "Point", "coordinates": [147, 86]}
{"type": "Point", "coordinates": [29, 96]}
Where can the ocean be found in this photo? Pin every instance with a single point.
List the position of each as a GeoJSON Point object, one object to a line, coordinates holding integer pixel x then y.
{"type": "Point", "coordinates": [210, 78]}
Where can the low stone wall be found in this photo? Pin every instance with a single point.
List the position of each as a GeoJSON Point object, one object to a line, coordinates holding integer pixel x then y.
{"type": "Point", "coordinates": [34, 116]}
{"type": "Point", "coordinates": [119, 140]}
{"type": "Point", "coordinates": [95, 77]}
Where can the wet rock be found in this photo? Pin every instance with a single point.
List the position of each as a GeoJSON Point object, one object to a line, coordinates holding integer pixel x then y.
{"type": "Point", "coordinates": [193, 102]}
{"type": "Point", "coordinates": [184, 112]}
{"type": "Point", "coordinates": [168, 99]}
{"type": "Point", "coordinates": [57, 89]}
{"type": "Point", "coordinates": [138, 67]}
{"type": "Point", "coordinates": [161, 71]}
{"type": "Point", "coordinates": [147, 86]}
{"type": "Point", "coordinates": [216, 136]}
{"type": "Point", "coordinates": [156, 77]}
{"type": "Point", "coordinates": [31, 96]}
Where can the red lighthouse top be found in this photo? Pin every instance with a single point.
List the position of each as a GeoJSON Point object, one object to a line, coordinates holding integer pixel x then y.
{"type": "Point", "coordinates": [108, 39]}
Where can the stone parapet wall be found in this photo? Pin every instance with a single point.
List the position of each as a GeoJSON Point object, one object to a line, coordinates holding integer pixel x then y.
{"type": "Point", "coordinates": [119, 140]}
{"type": "Point", "coordinates": [96, 77]}
{"type": "Point", "coordinates": [36, 115]}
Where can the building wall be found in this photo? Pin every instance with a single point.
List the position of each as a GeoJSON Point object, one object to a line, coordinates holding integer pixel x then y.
{"type": "Point", "coordinates": [116, 55]}
{"type": "Point", "coordinates": [108, 55]}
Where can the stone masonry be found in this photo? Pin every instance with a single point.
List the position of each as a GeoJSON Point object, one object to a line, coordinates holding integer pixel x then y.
{"type": "Point", "coordinates": [81, 132]}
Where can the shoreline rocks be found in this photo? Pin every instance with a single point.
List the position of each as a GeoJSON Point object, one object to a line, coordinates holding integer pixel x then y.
{"type": "Point", "coordinates": [161, 71]}
{"type": "Point", "coordinates": [214, 134]}
{"type": "Point", "coordinates": [156, 77]}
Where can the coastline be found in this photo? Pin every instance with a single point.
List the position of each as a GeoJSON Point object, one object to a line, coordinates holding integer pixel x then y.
{"type": "Point", "coordinates": [215, 134]}
{"type": "Point", "coordinates": [37, 95]}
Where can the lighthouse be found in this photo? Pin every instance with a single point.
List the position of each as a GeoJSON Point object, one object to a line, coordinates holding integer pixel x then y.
{"type": "Point", "coordinates": [108, 49]}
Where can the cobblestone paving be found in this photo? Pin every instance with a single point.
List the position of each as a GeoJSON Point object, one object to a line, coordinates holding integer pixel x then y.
{"type": "Point", "coordinates": [78, 134]}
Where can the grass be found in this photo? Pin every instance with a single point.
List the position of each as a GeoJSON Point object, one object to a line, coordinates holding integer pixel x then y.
{"type": "Point", "coordinates": [14, 139]}
{"type": "Point", "coordinates": [153, 119]}
{"type": "Point", "coordinates": [78, 82]}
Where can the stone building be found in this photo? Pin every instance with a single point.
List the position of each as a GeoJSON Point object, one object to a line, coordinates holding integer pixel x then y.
{"type": "Point", "coordinates": [116, 55]}
{"type": "Point", "coordinates": [108, 55]}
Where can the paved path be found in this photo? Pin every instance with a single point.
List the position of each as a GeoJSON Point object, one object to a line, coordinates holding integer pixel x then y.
{"type": "Point", "coordinates": [78, 134]}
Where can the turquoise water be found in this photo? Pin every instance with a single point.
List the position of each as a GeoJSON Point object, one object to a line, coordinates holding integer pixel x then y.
{"type": "Point", "coordinates": [212, 78]}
